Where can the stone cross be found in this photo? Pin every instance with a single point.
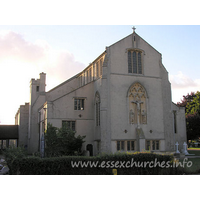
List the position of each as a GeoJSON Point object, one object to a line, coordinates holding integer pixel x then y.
{"type": "Point", "coordinates": [137, 102]}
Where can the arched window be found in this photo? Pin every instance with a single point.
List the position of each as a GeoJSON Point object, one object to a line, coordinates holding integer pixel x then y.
{"type": "Point", "coordinates": [97, 108]}
{"type": "Point", "coordinates": [137, 104]}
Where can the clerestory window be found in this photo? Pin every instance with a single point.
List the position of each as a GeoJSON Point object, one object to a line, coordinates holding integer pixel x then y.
{"type": "Point", "coordinates": [97, 105]}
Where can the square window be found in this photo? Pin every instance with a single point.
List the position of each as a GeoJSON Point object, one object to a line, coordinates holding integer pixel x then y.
{"type": "Point", "coordinates": [155, 145]}
{"type": "Point", "coordinates": [78, 104]}
{"type": "Point", "coordinates": [69, 124]}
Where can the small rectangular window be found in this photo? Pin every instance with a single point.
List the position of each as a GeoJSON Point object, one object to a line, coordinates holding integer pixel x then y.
{"type": "Point", "coordinates": [37, 88]}
{"type": "Point", "coordinates": [78, 104]}
{"type": "Point", "coordinates": [148, 145]}
{"type": "Point", "coordinates": [128, 146]}
{"type": "Point", "coordinates": [157, 145]}
{"type": "Point", "coordinates": [132, 145]}
{"type": "Point", "coordinates": [153, 145]}
{"type": "Point", "coordinates": [69, 124]}
{"type": "Point", "coordinates": [122, 145]}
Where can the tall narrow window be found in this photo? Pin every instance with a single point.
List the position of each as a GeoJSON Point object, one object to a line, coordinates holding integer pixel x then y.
{"type": "Point", "coordinates": [132, 145]}
{"type": "Point", "coordinates": [122, 145]}
{"type": "Point", "coordinates": [134, 62]}
{"type": "Point", "coordinates": [90, 74]}
{"type": "Point", "coordinates": [97, 68]}
{"type": "Point", "coordinates": [118, 146]}
{"type": "Point", "coordinates": [139, 63]}
{"type": "Point", "coordinates": [128, 145]}
{"type": "Point", "coordinates": [129, 62]}
{"type": "Point", "coordinates": [101, 66]}
{"type": "Point", "coordinates": [80, 81]}
{"type": "Point", "coordinates": [86, 77]}
{"type": "Point", "coordinates": [97, 105]}
{"type": "Point", "coordinates": [175, 123]}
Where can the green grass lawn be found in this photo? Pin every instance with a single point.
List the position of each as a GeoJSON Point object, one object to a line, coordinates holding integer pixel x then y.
{"type": "Point", "coordinates": [196, 152]}
{"type": "Point", "coordinates": [195, 167]}
{"type": "Point", "coordinates": [193, 148]}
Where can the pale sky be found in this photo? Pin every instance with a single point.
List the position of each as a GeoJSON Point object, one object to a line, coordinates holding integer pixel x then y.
{"type": "Point", "coordinates": [63, 51]}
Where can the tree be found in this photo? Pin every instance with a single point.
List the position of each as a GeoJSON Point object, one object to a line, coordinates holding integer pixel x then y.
{"type": "Point", "coordinates": [193, 107]}
{"type": "Point", "coordinates": [186, 99]}
{"type": "Point", "coordinates": [62, 141]}
{"type": "Point", "coordinates": [191, 102]}
{"type": "Point", "coordinates": [51, 141]}
{"type": "Point", "coordinates": [193, 126]}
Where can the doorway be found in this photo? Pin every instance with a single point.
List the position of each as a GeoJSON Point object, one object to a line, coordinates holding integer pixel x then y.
{"type": "Point", "coordinates": [89, 148]}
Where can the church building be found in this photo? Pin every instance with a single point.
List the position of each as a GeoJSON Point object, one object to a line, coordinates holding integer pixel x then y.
{"type": "Point", "coordinates": [120, 102]}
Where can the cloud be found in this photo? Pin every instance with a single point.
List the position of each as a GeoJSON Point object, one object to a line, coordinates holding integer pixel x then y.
{"type": "Point", "coordinates": [60, 66]}
{"type": "Point", "coordinates": [13, 45]}
{"type": "Point", "coordinates": [18, 54]}
{"type": "Point", "coordinates": [182, 84]}
{"type": "Point", "coordinates": [20, 61]}
{"type": "Point", "coordinates": [181, 81]}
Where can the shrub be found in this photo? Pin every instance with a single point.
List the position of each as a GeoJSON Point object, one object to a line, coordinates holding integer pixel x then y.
{"type": "Point", "coordinates": [62, 141]}
{"type": "Point", "coordinates": [14, 153]}
{"type": "Point", "coordinates": [102, 165]}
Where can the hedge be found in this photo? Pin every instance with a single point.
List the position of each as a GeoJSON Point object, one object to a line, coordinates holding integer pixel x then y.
{"type": "Point", "coordinates": [104, 165]}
